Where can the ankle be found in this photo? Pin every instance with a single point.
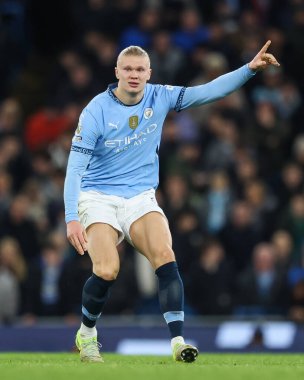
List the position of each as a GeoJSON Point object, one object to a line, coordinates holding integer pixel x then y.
{"type": "Point", "coordinates": [88, 332]}
{"type": "Point", "coordinates": [177, 339]}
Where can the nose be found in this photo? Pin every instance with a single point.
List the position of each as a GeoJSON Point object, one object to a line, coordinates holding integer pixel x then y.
{"type": "Point", "coordinates": [134, 74]}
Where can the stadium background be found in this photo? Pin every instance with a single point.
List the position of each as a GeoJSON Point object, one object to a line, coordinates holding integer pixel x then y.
{"type": "Point", "coordinates": [231, 177]}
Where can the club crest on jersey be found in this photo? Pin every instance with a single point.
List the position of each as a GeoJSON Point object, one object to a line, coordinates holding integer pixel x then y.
{"type": "Point", "coordinates": [148, 113]}
{"type": "Point", "coordinates": [78, 129]}
{"type": "Point", "coordinates": [79, 126]}
{"type": "Point", "coordinates": [133, 122]}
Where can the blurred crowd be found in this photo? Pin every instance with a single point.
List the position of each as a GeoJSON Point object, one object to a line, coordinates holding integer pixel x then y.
{"type": "Point", "coordinates": [232, 172]}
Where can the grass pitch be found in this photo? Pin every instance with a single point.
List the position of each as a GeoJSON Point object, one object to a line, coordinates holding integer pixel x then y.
{"type": "Point", "coordinates": [34, 366]}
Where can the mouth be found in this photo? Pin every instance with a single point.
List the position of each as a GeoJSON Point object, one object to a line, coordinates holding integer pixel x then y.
{"type": "Point", "coordinates": [133, 84]}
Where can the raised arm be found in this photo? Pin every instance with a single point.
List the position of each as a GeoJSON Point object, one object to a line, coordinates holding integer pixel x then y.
{"type": "Point", "coordinates": [227, 83]}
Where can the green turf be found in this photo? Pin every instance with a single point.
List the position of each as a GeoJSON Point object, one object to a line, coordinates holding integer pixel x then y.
{"type": "Point", "coordinates": [207, 367]}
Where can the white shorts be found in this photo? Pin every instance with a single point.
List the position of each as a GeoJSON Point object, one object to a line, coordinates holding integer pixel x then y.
{"type": "Point", "coordinates": [118, 212]}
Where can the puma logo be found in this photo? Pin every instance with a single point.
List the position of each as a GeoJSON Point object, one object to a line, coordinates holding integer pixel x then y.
{"type": "Point", "coordinates": [113, 125]}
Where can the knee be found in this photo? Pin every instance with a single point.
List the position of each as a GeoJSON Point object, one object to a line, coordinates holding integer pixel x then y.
{"type": "Point", "coordinates": [108, 274]}
{"type": "Point", "coordinates": [163, 256]}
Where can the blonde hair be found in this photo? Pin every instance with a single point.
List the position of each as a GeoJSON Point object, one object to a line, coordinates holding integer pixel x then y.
{"type": "Point", "coordinates": [135, 51]}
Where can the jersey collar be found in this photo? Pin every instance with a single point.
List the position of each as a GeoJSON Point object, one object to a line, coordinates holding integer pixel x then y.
{"type": "Point", "coordinates": [110, 89]}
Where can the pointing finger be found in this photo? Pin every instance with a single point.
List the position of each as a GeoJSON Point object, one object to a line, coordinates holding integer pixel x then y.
{"type": "Point", "coordinates": [265, 47]}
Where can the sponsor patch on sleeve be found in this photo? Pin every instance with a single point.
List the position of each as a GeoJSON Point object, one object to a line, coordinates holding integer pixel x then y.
{"type": "Point", "coordinates": [81, 150]}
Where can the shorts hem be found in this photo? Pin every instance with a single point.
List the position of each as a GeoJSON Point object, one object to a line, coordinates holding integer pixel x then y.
{"type": "Point", "coordinates": [127, 225]}
{"type": "Point", "coordinates": [121, 234]}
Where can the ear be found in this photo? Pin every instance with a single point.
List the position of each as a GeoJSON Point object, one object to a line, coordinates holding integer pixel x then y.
{"type": "Point", "coordinates": [116, 73]}
{"type": "Point", "coordinates": [150, 74]}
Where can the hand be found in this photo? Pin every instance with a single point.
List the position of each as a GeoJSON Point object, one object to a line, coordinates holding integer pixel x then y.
{"type": "Point", "coordinates": [77, 236]}
{"type": "Point", "coordinates": [263, 59]}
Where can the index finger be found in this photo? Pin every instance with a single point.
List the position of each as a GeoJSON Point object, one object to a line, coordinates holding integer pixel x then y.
{"type": "Point", "coordinates": [77, 245]}
{"type": "Point", "coordinates": [79, 238]}
{"type": "Point", "coordinates": [82, 242]}
{"type": "Point", "coordinates": [265, 47]}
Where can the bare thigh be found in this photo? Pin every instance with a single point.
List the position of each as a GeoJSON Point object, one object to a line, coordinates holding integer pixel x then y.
{"type": "Point", "coordinates": [150, 234]}
{"type": "Point", "coordinates": [102, 240]}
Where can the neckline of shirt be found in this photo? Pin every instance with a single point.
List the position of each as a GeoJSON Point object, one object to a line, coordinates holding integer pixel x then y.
{"type": "Point", "coordinates": [115, 98]}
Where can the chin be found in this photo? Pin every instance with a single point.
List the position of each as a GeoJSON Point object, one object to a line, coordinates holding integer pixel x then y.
{"type": "Point", "coordinates": [134, 91]}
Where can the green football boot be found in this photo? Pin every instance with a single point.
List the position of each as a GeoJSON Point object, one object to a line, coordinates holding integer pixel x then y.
{"type": "Point", "coordinates": [184, 352]}
{"type": "Point", "coordinates": [88, 348]}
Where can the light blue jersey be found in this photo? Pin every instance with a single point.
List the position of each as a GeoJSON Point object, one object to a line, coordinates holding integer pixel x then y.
{"type": "Point", "coordinates": [115, 147]}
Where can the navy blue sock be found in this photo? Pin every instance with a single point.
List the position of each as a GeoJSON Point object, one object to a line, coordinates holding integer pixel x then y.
{"type": "Point", "coordinates": [94, 295]}
{"type": "Point", "coordinates": [171, 297]}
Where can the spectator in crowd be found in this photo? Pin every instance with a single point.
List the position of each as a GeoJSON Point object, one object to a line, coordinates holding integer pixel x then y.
{"type": "Point", "coordinates": [239, 236]}
{"type": "Point", "coordinates": [263, 205]}
{"type": "Point", "coordinates": [262, 289]}
{"type": "Point", "coordinates": [100, 51]}
{"type": "Point", "coordinates": [12, 258]}
{"type": "Point", "coordinates": [270, 135]}
{"type": "Point", "coordinates": [187, 237]}
{"type": "Point", "coordinates": [9, 296]}
{"type": "Point", "coordinates": [37, 210]}
{"type": "Point", "coordinates": [289, 183]}
{"type": "Point", "coordinates": [48, 286]}
{"type": "Point", "coordinates": [80, 86]}
{"type": "Point", "coordinates": [217, 202]}
{"type": "Point", "coordinates": [15, 159]}
{"type": "Point", "coordinates": [141, 34]}
{"type": "Point", "coordinates": [280, 92]}
{"type": "Point", "coordinates": [283, 248]}
{"type": "Point", "coordinates": [210, 271]}
{"type": "Point", "coordinates": [176, 192]}
{"type": "Point", "coordinates": [5, 191]}
{"type": "Point", "coordinates": [292, 220]}
{"type": "Point", "coordinates": [44, 127]}
{"type": "Point", "coordinates": [245, 170]}
{"type": "Point", "coordinates": [17, 223]}
{"type": "Point", "coordinates": [191, 31]}
{"type": "Point", "coordinates": [13, 271]}
{"type": "Point", "coordinates": [220, 152]}
{"type": "Point", "coordinates": [10, 116]}
{"type": "Point", "coordinates": [166, 58]}
{"type": "Point", "coordinates": [186, 162]}
{"type": "Point", "coordinates": [269, 91]}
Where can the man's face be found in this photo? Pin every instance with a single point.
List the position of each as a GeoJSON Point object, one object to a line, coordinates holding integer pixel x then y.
{"type": "Point", "coordinates": [133, 72]}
